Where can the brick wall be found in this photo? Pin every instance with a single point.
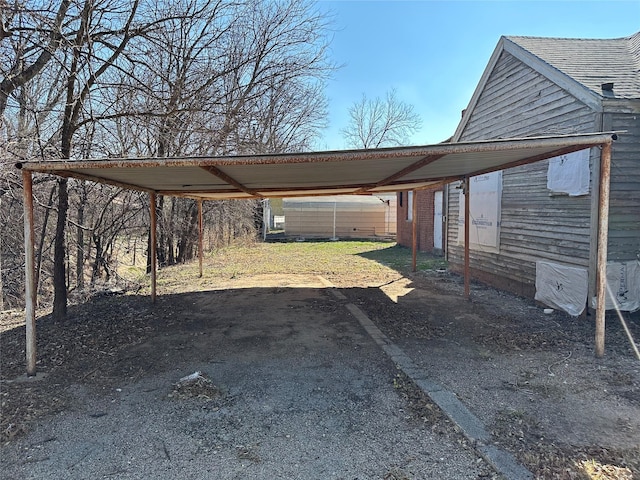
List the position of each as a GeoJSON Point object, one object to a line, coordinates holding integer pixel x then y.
{"type": "Point", "coordinates": [424, 217]}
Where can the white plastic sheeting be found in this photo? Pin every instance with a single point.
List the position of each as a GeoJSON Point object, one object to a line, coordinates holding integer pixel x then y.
{"type": "Point", "coordinates": [623, 281]}
{"type": "Point", "coordinates": [569, 173]}
{"type": "Point", "coordinates": [484, 210]}
{"type": "Point", "coordinates": [562, 287]}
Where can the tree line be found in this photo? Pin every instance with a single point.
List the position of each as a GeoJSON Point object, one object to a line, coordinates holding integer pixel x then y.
{"type": "Point", "coordinates": [84, 79]}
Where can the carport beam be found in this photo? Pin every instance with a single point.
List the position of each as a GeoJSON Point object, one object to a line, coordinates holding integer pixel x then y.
{"type": "Point", "coordinates": [603, 233]}
{"type": "Point", "coordinates": [30, 276]}
{"type": "Point", "coordinates": [467, 202]}
{"type": "Point", "coordinates": [152, 234]}
{"type": "Point", "coordinates": [200, 243]}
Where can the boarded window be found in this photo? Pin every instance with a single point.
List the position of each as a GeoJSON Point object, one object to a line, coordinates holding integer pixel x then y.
{"type": "Point", "coordinates": [569, 174]}
{"type": "Point", "coordinates": [485, 202]}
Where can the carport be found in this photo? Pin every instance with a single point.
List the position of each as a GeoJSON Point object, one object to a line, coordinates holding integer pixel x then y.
{"type": "Point", "coordinates": [357, 172]}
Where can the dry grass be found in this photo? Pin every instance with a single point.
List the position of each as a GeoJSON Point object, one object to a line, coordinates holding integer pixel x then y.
{"type": "Point", "coordinates": [345, 263]}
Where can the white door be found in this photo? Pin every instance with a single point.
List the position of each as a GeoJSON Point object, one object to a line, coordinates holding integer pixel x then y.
{"type": "Point", "coordinates": [437, 220]}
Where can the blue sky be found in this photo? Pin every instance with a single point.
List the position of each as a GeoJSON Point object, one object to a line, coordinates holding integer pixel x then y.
{"type": "Point", "coordinates": [434, 52]}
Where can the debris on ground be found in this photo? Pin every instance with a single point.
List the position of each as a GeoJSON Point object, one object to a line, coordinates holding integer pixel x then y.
{"type": "Point", "coordinates": [196, 385]}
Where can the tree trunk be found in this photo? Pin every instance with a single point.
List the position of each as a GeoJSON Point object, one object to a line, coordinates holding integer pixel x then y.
{"type": "Point", "coordinates": [80, 241]}
{"type": "Point", "coordinates": [59, 274]}
{"type": "Point", "coordinates": [43, 237]}
{"type": "Point", "coordinates": [170, 227]}
{"type": "Point", "coordinates": [188, 233]}
{"type": "Point", "coordinates": [95, 273]}
{"type": "Point", "coordinates": [148, 269]}
{"type": "Point", "coordinates": [161, 247]}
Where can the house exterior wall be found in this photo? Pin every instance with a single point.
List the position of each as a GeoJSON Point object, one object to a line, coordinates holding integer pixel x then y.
{"type": "Point", "coordinates": [424, 216]}
{"type": "Point", "coordinates": [518, 102]}
{"type": "Point", "coordinates": [624, 198]}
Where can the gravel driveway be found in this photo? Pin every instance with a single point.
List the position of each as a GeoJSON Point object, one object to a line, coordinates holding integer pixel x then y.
{"type": "Point", "coordinates": [301, 391]}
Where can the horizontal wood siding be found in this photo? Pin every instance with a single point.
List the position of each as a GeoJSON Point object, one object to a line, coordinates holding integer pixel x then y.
{"type": "Point", "coordinates": [352, 220]}
{"type": "Point", "coordinates": [624, 208]}
{"type": "Point", "coordinates": [535, 225]}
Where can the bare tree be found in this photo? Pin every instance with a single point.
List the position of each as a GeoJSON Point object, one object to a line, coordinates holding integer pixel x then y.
{"type": "Point", "coordinates": [94, 78]}
{"type": "Point", "coordinates": [227, 78]}
{"type": "Point", "coordinates": [380, 122]}
{"type": "Point", "coordinates": [30, 34]}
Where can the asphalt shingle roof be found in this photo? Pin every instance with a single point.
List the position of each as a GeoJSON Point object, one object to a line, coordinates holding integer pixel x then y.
{"type": "Point", "coordinates": [592, 62]}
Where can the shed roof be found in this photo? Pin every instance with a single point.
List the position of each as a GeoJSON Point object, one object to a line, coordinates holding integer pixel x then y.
{"type": "Point", "coordinates": [592, 62]}
{"type": "Point", "coordinates": [319, 173]}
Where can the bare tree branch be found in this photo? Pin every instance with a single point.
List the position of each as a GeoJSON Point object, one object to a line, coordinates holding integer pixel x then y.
{"type": "Point", "coordinates": [380, 122]}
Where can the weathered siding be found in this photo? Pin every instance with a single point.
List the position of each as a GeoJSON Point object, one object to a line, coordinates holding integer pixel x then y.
{"type": "Point", "coordinates": [354, 219]}
{"type": "Point", "coordinates": [624, 203]}
{"type": "Point", "coordinates": [519, 102]}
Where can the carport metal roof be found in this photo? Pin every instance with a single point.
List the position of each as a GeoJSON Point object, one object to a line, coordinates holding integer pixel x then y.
{"type": "Point", "coordinates": [317, 173]}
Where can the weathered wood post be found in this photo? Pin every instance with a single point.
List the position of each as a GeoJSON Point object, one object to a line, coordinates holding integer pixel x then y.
{"type": "Point", "coordinates": [30, 273]}
{"type": "Point", "coordinates": [603, 234]}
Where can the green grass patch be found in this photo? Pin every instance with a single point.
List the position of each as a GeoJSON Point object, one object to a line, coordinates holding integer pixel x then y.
{"type": "Point", "coordinates": [401, 258]}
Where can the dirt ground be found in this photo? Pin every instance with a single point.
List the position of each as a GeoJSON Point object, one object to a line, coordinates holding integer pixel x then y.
{"type": "Point", "coordinates": [293, 387]}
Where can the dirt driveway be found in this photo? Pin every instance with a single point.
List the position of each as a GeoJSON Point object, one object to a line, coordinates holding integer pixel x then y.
{"type": "Point", "coordinates": [300, 391]}
{"type": "Point", "coordinates": [294, 387]}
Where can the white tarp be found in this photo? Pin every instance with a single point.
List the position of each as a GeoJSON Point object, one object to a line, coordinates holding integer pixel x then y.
{"type": "Point", "coordinates": [484, 210]}
{"type": "Point", "coordinates": [623, 281]}
{"type": "Point", "coordinates": [562, 287]}
{"type": "Point", "coordinates": [569, 173]}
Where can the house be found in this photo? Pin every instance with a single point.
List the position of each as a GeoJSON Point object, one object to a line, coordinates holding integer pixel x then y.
{"type": "Point", "coordinates": [534, 228]}
{"type": "Point", "coordinates": [340, 216]}
{"type": "Point", "coordinates": [428, 218]}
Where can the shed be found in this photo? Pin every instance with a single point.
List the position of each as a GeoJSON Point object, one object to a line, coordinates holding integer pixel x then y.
{"type": "Point", "coordinates": [543, 217]}
{"type": "Point", "coordinates": [341, 216]}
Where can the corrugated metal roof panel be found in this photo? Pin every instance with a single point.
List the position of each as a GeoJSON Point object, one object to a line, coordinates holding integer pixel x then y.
{"type": "Point", "coordinates": [319, 173]}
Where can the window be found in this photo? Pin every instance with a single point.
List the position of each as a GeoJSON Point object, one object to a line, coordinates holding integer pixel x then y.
{"type": "Point", "coordinates": [409, 206]}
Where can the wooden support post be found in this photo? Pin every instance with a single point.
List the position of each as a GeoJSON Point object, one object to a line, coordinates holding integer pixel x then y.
{"type": "Point", "coordinates": [30, 273]}
{"type": "Point", "coordinates": [467, 203]}
{"type": "Point", "coordinates": [603, 234]}
{"type": "Point", "coordinates": [414, 231]}
{"type": "Point", "coordinates": [152, 211]}
{"type": "Point", "coordinates": [200, 233]}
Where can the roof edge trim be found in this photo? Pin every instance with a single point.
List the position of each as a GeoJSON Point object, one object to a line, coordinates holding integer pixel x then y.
{"type": "Point", "coordinates": [586, 139]}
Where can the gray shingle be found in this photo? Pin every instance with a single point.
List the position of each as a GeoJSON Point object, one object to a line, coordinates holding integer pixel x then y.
{"type": "Point", "coordinates": [591, 62]}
